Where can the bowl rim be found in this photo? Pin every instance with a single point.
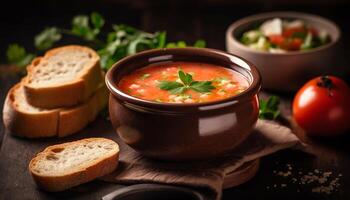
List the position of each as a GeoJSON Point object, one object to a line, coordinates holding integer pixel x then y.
{"type": "Point", "coordinates": [152, 187]}
{"type": "Point", "coordinates": [253, 89]}
{"type": "Point", "coordinates": [282, 14]}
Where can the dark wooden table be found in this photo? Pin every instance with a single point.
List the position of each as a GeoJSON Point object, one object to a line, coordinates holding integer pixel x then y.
{"type": "Point", "coordinates": [189, 22]}
{"type": "Point", "coordinates": [333, 155]}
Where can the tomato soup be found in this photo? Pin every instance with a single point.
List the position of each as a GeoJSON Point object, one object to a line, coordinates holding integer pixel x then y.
{"type": "Point", "coordinates": [183, 82]}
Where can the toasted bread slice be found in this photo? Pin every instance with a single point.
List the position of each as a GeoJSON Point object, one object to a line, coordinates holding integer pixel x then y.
{"type": "Point", "coordinates": [25, 120]}
{"type": "Point", "coordinates": [66, 165]}
{"type": "Point", "coordinates": [64, 76]}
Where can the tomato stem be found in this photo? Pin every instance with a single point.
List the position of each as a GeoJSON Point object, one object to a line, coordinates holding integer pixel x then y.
{"type": "Point", "coordinates": [326, 82]}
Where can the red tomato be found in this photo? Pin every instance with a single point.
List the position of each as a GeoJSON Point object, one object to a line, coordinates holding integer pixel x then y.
{"type": "Point", "coordinates": [322, 106]}
{"type": "Point", "coordinates": [276, 39]}
{"type": "Point", "coordinates": [288, 32]}
{"type": "Point", "coordinates": [295, 44]}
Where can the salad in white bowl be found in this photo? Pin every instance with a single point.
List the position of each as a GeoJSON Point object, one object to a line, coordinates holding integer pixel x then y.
{"type": "Point", "coordinates": [282, 36]}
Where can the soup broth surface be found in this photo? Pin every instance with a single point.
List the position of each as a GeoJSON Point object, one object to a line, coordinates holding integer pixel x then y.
{"type": "Point", "coordinates": [162, 82]}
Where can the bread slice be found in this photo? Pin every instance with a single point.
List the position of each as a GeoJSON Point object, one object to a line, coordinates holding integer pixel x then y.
{"type": "Point", "coordinates": [25, 120]}
{"type": "Point", "coordinates": [64, 76]}
{"type": "Point", "coordinates": [66, 165]}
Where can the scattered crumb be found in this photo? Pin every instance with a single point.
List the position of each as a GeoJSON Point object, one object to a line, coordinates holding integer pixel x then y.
{"type": "Point", "coordinates": [317, 180]}
{"type": "Point", "coordinates": [284, 174]}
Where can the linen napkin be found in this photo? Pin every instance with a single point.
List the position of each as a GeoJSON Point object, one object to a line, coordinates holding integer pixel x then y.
{"type": "Point", "coordinates": [206, 176]}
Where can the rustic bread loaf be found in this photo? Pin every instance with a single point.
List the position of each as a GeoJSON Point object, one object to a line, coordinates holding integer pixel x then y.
{"type": "Point", "coordinates": [25, 120]}
{"type": "Point", "coordinates": [66, 165]}
{"type": "Point", "coordinates": [64, 76]}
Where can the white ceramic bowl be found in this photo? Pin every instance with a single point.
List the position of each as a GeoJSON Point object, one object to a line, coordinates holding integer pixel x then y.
{"type": "Point", "coordinates": [287, 71]}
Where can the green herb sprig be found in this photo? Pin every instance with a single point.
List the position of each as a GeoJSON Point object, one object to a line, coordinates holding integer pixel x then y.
{"type": "Point", "coordinates": [187, 83]}
{"type": "Point", "coordinates": [269, 108]}
{"type": "Point", "coordinates": [122, 40]}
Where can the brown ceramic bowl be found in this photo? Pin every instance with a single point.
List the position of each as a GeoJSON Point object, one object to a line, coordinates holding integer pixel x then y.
{"type": "Point", "coordinates": [175, 131]}
{"type": "Point", "coordinates": [286, 71]}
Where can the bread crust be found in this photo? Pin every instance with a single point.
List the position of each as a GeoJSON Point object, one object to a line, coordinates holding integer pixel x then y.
{"type": "Point", "coordinates": [67, 94]}
{"type": "Point", "coordinates": [71, 120]}
{"type": "Point", "coordinates": [53, 122]}
{"type": "Point", "coordinates": [26, 124]}
{"type": "Point", "coordinates": [103, 166]}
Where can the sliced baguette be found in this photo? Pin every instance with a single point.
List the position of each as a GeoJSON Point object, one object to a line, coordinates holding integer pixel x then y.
{"type": "Point", "coordinates": [25, 120]}
{"type": "Point", "coordinates": [64, 76]}
{"type": "Point", "coordinates": [66, 165]}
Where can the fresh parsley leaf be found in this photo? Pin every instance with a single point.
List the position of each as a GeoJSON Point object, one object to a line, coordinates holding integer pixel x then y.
{"type": "Point", "coordinates": [269, 108]}
{"type": "Point", "coordinates": [187, 83]}
{"type": "Point", "coordinates": [81, 26]}
{"type": "Point", "coordinates": [18, 56]}
{"type": "Point", "coordinates": [122, 41]}
{"type": "Point", "coordinates": [133, 46]}
{"type": "Point", "coordinates": [186, 78]}
{"type": "Point", "coordinates": [171, 45]}
{"type": "Point", "coordinates": [97, 20]}
{"type": "Point", "coordinates": [141, 42]}
{"type": "Point", "coordinates": [178, 90]}
{"type": "Point", "coordinates": [169, 85]}
{"type": "Point", "coordinates": [273, 103]}
{"type": "Point", "coordinates": [181, 44]}
{"type": "Point", "coordinates": [202, 86]}
{"type": "Point", "coordinates": [47, 38]}
{"type": "Point", "coordinates": [127, 29]}
{"type": "Point", "coordinates": [199, 44]}
{"type": "Point", "coordinates": [160, 39]}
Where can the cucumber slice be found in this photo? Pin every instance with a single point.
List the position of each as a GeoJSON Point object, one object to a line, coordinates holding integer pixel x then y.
{"type": "Point", "coordinates": [250, 37]}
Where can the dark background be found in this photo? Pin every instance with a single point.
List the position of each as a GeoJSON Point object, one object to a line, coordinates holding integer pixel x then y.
{"type": "Point", "coordinates": [189, 20]}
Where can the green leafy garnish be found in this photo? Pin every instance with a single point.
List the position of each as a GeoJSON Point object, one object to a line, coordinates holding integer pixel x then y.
{"type": "Point", "coordinates": [87, 27]}
{"type": "Point", "coordinates": [202, 86]}
{"type": "Point", "coordinates": [200, 44]}
{"type": "Point", "coordinates": [97, 20]}
{"type": "Point", "coordinates": [120, 41]}
{"type": "Point", "coordinates": [18, 56]}
{"type": "Point", "coordinates": [186, 78]}
{"type": "Point", "coordinates": [169, 85]}
{"type": "Point", "coordinates": [269, 108]}
{"type": "Point", "coordinates": [47, 38]}
{"type": "Point", "coordinates": [186, 83]}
